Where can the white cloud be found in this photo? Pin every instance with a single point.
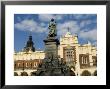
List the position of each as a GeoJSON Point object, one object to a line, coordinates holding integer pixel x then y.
{"type": "Point", "coordinates": [63, 27]}
{"type": "Point", "coordinates": [43, 24]}
{"type": "Point", "coordinates": [78, 16]}
{"type": "Point", "coordinates": [30, 25]}
{"type": "Point", "coordinates": [85, 22]}
{"type": "Point", "coordinates": [83, 16]}
{"type": "Point", "coordinates": [45, 17]}
{"type": "Point", "coordinates": [89, 35]}
{"type": "Point", "coordinates": [59, 16]}
{"type": "Point", "coordinates": [48, 17]}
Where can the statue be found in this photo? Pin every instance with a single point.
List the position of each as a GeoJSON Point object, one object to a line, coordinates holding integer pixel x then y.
{"type": "Point", "coordinates": [52, 28]}
{"type": "Point", "coordinates": [52, 65]}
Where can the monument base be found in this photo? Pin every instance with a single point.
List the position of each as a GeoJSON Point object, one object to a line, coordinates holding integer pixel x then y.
{"type": "Point", "coordinates": [53, 70]}
{"type": "Point", "coordinates": [51, 47]}
{"type": "Point", "coordinates": [52, 65]}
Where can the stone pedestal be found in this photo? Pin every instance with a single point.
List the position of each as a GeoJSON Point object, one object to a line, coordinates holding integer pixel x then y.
{"type": "Point", "coordinates": [51, 65]}
{"type": "Point", "coordinates": [51, 47]}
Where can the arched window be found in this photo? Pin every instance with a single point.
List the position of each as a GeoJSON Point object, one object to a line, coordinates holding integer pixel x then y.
{"type": "Point", "coordinates": [94, 60]}
{"type": "Point", "coordinates": [35, 64]}
{"type": "Point", "coordinates": [19, 64]}
{"type": "Point", "coordinates": [26, 64]}
{"type": "Point", "coordinates": [31, 65]}
{"type": "Point", "coordinates": [85, 60]}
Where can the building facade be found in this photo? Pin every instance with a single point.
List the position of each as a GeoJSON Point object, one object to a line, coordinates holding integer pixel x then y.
{"type": "Point", "coordinates": [28, 59]}
{"type": "Point", "coordinates": [81, 59]}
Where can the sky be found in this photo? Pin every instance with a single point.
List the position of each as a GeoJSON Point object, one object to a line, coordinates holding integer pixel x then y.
{"type": "Point", "coordinates": [84, 25]}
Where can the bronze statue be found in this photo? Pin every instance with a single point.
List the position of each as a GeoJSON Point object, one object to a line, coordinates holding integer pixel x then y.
{"type": "Point", "coordinates": [52, 65]}
{"type": "Point", "coordinates": [52, 28]}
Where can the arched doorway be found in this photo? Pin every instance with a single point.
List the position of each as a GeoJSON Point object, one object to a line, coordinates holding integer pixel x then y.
{"type": "Point", "coordinates": [95, 73]}
{"type": "Point", "coordinates": [86, 73]}
{"type": "Point", "coordinates": [15, 74]}
{"type": "Point", "coordinates": [33, 73]}
{"type": "Point", "coordinates": [24, 73]}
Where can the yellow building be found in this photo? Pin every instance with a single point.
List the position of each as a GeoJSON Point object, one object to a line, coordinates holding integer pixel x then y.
{"type": "Point", "coordinates": [26, 61]}
{"type": "Point", "coordinates": [81, 58]}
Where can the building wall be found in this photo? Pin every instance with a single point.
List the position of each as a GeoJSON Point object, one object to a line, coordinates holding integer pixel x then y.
{"type": "Point", "coordinates": [86, 51]}
{"type": "Point", "coordinates": [85, 56]}
{"type": "Point", "coordinates": [27, 61]}
{"type": "Point", "coordinates": [26, 64]}
{"type": "Point", "coordinates": [29, 55]}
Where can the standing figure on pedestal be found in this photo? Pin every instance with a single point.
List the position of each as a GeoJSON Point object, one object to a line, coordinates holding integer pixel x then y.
{"type": "Point", "coordinates": [52, 28]}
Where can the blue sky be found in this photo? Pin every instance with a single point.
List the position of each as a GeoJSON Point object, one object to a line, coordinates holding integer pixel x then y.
{"type": "Point", "coordinates": [84, 25]}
